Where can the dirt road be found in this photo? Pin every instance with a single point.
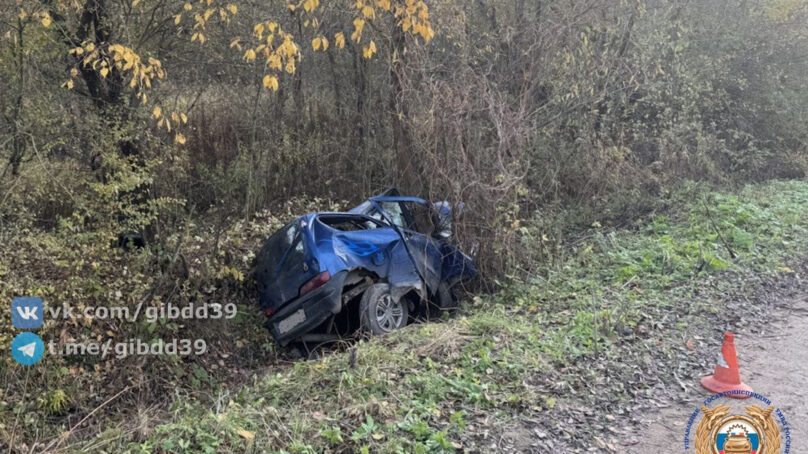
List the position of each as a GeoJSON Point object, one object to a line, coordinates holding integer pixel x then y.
{"type": "Point", "coordinates": [774, 362]}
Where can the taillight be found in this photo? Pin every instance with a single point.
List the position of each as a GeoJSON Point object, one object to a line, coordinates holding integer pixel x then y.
{"type": "Point", "coordinates": [315, 282]}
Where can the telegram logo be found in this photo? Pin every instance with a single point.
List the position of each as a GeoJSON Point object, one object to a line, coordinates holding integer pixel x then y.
{"type": "Point", "coordinates": [27, 312]}
{"type": "Point", "coordinates": [27, 348]}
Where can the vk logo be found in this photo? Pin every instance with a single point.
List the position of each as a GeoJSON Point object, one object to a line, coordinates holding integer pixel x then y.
{"type": "Point", "coordinates": [26, 312]}
{"type": "Point", "coordinates": [27, 348]}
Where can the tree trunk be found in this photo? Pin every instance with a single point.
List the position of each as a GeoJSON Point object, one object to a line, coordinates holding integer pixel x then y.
{"type": "Point", "coordinates": [358, 142]}
{"type": "Point", "coordinates": [18, 141]}
{"type": "Point", "coordinates": [402, 141]}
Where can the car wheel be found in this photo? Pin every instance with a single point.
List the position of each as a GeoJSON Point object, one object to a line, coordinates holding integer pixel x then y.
{"type": "Point", "coordinates": [378, 313]}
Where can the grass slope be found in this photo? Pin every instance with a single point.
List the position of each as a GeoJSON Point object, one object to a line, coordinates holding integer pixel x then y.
{"type": "Point", "coordinates": [525, 357]}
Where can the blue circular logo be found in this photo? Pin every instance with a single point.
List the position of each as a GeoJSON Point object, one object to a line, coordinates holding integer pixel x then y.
{"type": "Point", "coordinates": [27, 348]}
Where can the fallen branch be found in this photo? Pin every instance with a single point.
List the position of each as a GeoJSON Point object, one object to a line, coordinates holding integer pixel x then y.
{"type": "Point", "coordinates": [718, 232]}
{"type": "Point", "coordinates": [67, 434]}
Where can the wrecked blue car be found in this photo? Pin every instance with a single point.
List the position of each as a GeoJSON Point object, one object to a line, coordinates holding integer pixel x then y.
{"type": "Point", "coordinates": [374, 268]}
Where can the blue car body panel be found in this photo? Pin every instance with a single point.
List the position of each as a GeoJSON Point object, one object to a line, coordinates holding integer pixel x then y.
{"type": "Point", "coordinates": [313, 244]}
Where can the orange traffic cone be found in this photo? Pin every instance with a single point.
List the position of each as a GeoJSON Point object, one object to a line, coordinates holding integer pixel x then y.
{"type": "Point", "coordinates": [727, 376]}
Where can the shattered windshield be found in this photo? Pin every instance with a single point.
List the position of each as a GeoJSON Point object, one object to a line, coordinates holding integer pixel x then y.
{"type": "Point", "coordinates": [393, 210]}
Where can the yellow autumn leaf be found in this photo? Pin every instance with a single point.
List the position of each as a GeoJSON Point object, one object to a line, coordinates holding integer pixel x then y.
{"type": "Point", "coordinates": [359, 24]}
{"type": "Point", "coordinates": [157, 112]}
{"type": "Point", "coordinates": [339, 38]}
{"type": "Point", "coordinates": [103, 71]}
{"type": "Point", "coordinates": [271, 82]}
{"type": "Point", "coordinates": [184, 118]}
{"type": "Point", "coordinates": [428, 34]}
{"type": "Point", "coordinates": [246, 434]}
{"type": "Point", "coordinates": [259, 30]}
{"type": "Point", "coordinates": [74, 72]}
{"type": "Point", "coordinates": [177, 19]}
{"type": "Point", "coordinates": [325, 43]}
{"type": "Point", "coordinates": [69, 84]}
{"type": "Point", "coordinates": [46, 20]}
{"type": "Point", "coordinates": [249, 55]}
{"type": "Point", "coordinates": [175, 117]}
{"type": "Point", "coordinates": [310, 5]}
{"type": "Point", "coordinates": [187, 7]}
{"type": "Point", "coordinates": [368, 12]}
{"type": "Point", "coordinates": [316, 43]}
{"type": "Point", "coordinates": [179, 139]}
{"type": "Point", "coordinates": [22, 14]}
{"type": "Point", "coordinates": [369, 50]}
{"type": "Point", "coordinates": [232, 8]}
{"type": "Point", "coordinates": [274, 62]}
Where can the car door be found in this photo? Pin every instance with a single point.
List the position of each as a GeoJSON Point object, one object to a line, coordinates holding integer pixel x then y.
{"type": "Point", "coordinates": [412, 217]}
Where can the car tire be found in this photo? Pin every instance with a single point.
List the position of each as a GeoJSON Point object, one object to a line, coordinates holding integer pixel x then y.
{"type": "Point", "coordinates": [378, 313]}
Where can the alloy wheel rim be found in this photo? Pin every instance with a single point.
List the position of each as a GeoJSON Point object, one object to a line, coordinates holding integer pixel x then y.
{"type": "Point", "coordinates": [388, 313]}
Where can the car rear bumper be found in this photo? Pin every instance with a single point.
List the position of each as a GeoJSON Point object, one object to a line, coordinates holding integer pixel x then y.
{"type": "Point", "coordinates": [305, 313]}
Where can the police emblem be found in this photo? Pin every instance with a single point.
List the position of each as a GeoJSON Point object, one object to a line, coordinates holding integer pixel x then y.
{"type": "Point", "coordinates": [720, 432]}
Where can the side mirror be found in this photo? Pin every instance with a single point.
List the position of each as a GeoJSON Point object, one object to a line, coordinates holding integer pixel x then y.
{"type": "Point", "coordinates": [444, 217]}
